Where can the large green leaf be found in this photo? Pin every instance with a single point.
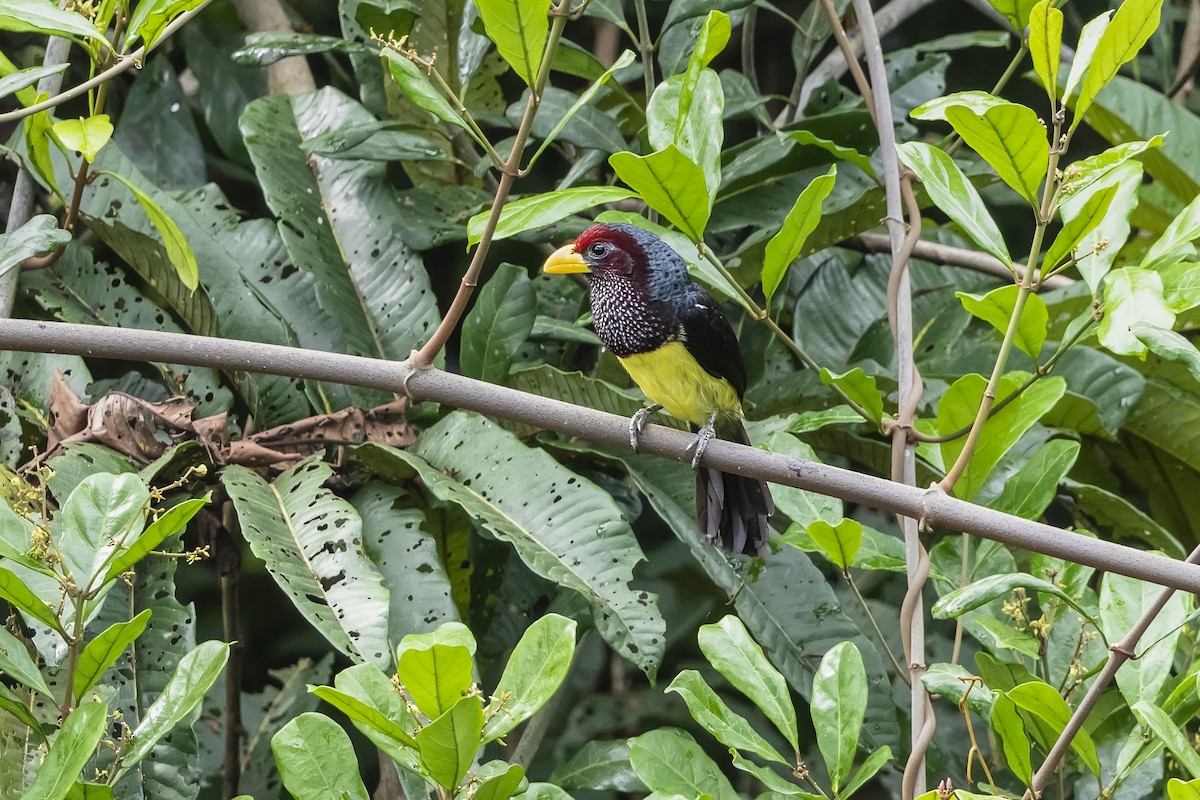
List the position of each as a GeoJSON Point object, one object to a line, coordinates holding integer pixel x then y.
{"type": "Point", "coordinates": [1082, 213]}
{"type": "Point", "coordinates": [1165, 729]}
{"type": "Point", "coordinates": [1102, 509]}
{"type": "Point", "coordinates": [72, 747]}
{"type": "Point", "coordinates": [540, 210]}
{"type": "Point", "coordinates": [1123, 601]}
{"type": "Point", "coordinates": [436, 667]}
{"type": "Point", "coordinates": [43, 16]}
{"type": "Point", "coordinates": [1030, 491]}
{"type": "Point", "coordinates": [1129, 29]}
{"type": "Point", "coordinates": [670, 183]}
{"type": "Point", "coordinates": [696, 129]}
{"type": "Point", "coordinates": [711, 713]}
{"type": "Point", "coordinates": [599, 765]}
{"type": "Point", "coordinates": [151, 16]}
{"type": "Point", "coordinates": [954, 194]}
{"type": "Point", "coordinates": [1011, 140]}
{"type": "Point", "coordinates": [839, 706]}
{"type": "Point", "coordinates": [1007, 724]}
{"type": "Point", "coordinates": [179, 702]}
{"type": "Point", "coordinates": [375, 691]}
{"type": "Point", "coordinates": [1045, 44]}
{"type": "Point", "coordinates": [981, 592]}
{"type": "Point", "coordinates": [317, 760]}
{"type": "Point", "coordinates": [365, 292]}
{"type": "Point", "coordinates": [519, 28]}
{"type": "Point", "coordinates": [1132, 296]}
{"type": "Point", "coordinates": [1042, 701]}
{"type": "Point", "coordinates": [1170, 345]}
{"type": "Point", "coordinates": [498, 325]}
{"type": "Point", "coordinates": [537, 667]}
{"type": "Point", "coordinates": [103, 513]}
{"type": "Point", "coordinates": [169, 523]}
{"type": "Point", "coordinates": [310, 541]}
{"type": "Point", "coordinates": [959, 406]}
{"type": "Point", "coordinates": [670, 763]}
{"type": "Point", "coordinates": [16, 662]}
{"type": "Point", "coordinates": [996, 308]}
{"type": "Point", "coordinates": [448, 743]}
{"type": "Point", "coordinates": [562, 526]}
{"type": "Point", "coordinates": [797, 225]}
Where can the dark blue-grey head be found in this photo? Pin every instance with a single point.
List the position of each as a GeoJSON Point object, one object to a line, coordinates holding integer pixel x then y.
{"type": "Point", "coordinates": [645, 259]}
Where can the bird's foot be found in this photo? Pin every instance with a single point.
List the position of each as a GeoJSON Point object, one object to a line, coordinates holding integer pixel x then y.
{"type": "Point", "coordinates": [703, 437]}
{"type": "Point", "coordinates": [638, 422]}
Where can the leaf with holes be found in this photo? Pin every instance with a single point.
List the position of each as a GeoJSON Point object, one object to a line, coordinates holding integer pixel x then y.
{"type": "Point", "coordinates": [311, 542]}
{"type": "Point", "coordinates": [562, 526]}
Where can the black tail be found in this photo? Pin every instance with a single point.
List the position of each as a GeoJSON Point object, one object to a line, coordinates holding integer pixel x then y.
{"type": "Point", "coordinates": [732, 508]}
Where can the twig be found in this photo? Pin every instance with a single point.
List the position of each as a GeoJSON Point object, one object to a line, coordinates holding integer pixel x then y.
{"type": "Point", "coordinates": [862, 602]}
{"type": "Point", "coordinates": [429, 384]}
{"type": "Point", "coordinates": [508, 176]}
{"type": "Point", "coordinates": [126, 62]}
{"type": "Point", "coordinates": [951, 256]}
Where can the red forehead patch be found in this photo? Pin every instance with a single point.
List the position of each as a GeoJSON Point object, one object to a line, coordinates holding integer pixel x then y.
{"type": "Point", "coordinates": [619, 238]}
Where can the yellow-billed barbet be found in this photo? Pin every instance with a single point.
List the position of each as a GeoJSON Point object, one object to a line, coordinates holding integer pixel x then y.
{"type": "Point", "coordinates": [675, 343]}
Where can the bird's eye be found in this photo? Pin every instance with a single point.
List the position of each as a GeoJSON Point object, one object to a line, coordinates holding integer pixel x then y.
{"type": "Point", "coordinates": [599, 249]}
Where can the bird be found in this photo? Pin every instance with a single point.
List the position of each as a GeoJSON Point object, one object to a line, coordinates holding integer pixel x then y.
{"type": "Point", "coordinates": [671, 337]}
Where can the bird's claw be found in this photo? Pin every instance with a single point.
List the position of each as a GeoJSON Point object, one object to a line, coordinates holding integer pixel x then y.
{"type": "Point", "coordinates": [638, 422]}
{"type": "Point", "coordinates": [703, 437]}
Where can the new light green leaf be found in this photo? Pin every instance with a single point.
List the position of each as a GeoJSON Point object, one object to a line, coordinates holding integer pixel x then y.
{"type": "Point", "coordinates": [996, 309]}
{"type": "Point", "coordinates": [72, 748]}
{"type": "Point", "coordinates": [670, 763]}
{"type": "Point", "coordinates": [1129, 29]}
{"type": "Point", "coordinates": [448, 743]}
{"type": "Point", "coordinates": [416, 87]}
{"type": "Point", "coordinates": [103, 651]}
{"type": "Point", "coordinates": [539, 210]}
{"type": "Point", "coordinates": [670, 183]}
{"type": "Point", "coordinates": [1079, 219]}
{"type": "Point", "coordinates": [1041, 700]}
{"type": "Point", "coordinates": [985, 590]}
{"type": "Point", "coordinates": [169, 523]}
{"type": "Point", "coordinates": [1175, 243]}
{"type": "Point", "coordinates": [954, 194]}
{"type": "Point", "coordinates": [14, 590]}
{"type": "Point", "coordinates": [536, 669]}
{"type": "Point", "coordinates": [1045, 44]}
{"type": "Point", "coordinates": [860, 387]}
{"type": "Point", "coordinates": [978, 102]}
{"type": "Point", "coordinates": [519, 28]}
{"type": "Point", "coordinates": [839, 543]}
{"type": "Point", "coordinates": [1089, 37]}
{"type": "Point", "coordinates": [316, 760]}
{"type": "Point", "coordinates": [44, 16]}
{"type": "Point", "coordinates": [436, 677]}
{"type": "Point", "coordinates": [711, 713]}
{"type": "Point", "coordinates": [150, 17]}
{"type": "Point", "coordinates": [699, 133]}
{"type": "Point", "coordinates": [102, 512]}
{"type": "Point", "coordinates": [179, 702]}
{"type": "Point", "coordinates": [1011, 140]}
{"type": "Point", "coordinates": [801, 221]}
{"type": "Point", "coordinates": [1132, 296]}
{"type": "Point", "coordinates": [839, 706]}
{"type": "Point", "coordinates": [871, 765]}
{"type": "Point", "coordinates": [499, 780]}
{"type": "Point", "coordinates": [1016, 11]}
{"type": "Point", "coordinates": [84, 135]}
{"type": "Point", "coordinates": [178, 250]}
{"type": "Point", "coordinates": [1178, 790]}
{"type": "Point", "coordinates": [16, 662]}
{"type": "Point", "coordinates": [729, 648]}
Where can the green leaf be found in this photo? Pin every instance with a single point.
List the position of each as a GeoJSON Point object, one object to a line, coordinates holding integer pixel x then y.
{"type": "Point", "coordinates": [806, 138]}
{"type": "Point", "coordinates": [102, 513]}
{"type": "Point", "coordinates": [1178, 790]}
{"type": "Point", "coordinates": [670, 183]}
{"type": "Point", "coordinates": [16, 662]}
{"type": "Point", "coordinates": [103, 651]}
{"type": "Point", "coordinates": [37, 237]}
{"type": "Point", "coordinates": [37, 148]}
{"type": "Point", "coordinates": [23, 78]}
{"type": "Point", "coordinates": [985, 590]}
{"type": "Point", "coordinates": [1011, 140]}
{"type": "Point", "coordinates": [501, 784]}
{"type": "Point", "coordinates": [1041, 700]}
{"type": "Point", "coordinates": [1016, 11]}
{"type": "Point", "coordinates": [671, 763]}
{"type": "Point", "coordinates": [871, 765]}
{"type": "Point", "coordinates": [540, 210]}
{"type": "Point", "coordinates": [954, 194]}
{"type": "Point", "coordinates": [417, 88]}
{"type": "Point", "coordinates": [1123, 601]}
{"type": "Point", "coordinates": [802, 220]}
{"type": "Point", "coordinates": [359, 711]}
{"type": "Point", "coordinates": [1089, 37]}
{"type": "Point", "coordinates": [562, 526]}
{"type": "Point", "coordinates": [1030, 491]}
{"type": "Point", "coordinates": [714, 716]}
{"type": "Point", "coordinates": [183, 694]}
{"type": "Point", "coordinates": [1181, 286]}
{"type": "Point", "coordinates": [1079, 219]}
{"type": "Point", "coordinates": [72, 748]}
{"type": "Point", "coordinates": [696, 129]}
{"type": "Point", "coordinates": [1167, 731]}
{"type": "Point", "coordinates": [839, 707]}
{"type": "Point", "coordinates": [1007, 724]}
{"type": "Point", "coordinates": [799, 505]}
{"type": "Point", "coordinates": [85, 136]}
{"type": "Point", "coordinates": [448, 743]}
{"type": "Point", "coordinates": [1045, 44]}
{"type": "Point", "coordinates": [309, 539]}
{"type": "Point", "coordinates": [178, 250]}
{"type": "Point", "coordinates": [44, 16]}
{"type": "Point", "coordinates": [263, 48]}
{"type": "Point", "coordinates": [437, 676]}
{"type": "Point", "coordinates": [770, 779]}
{"type": "Point", "coordinates": [860, 387]}
{"type": "Point", "coordinates": [169, 523]}
{"type": "Point", "coordinates": [519, 28]}
{"type": "Point", "coordinates": [1130, 27]}
{"type": "Point", "coordinates": [1132, 296]}
{"type": "Point", "coordinates": [959, 406]}
{"type": "Point", "coordinates": [537, 667]}
{"type": "Point", "coordinates": [809, 421]}
{"type": "Point", "coordinates": [729, 648]}
{"type": "Point", "coordinates": [996, 308]}
{"type": "Point", "coordinates": [375, 692]}
{"type": "Point", "coordinates": [317, 760]}
{"type": "Point", "coordinates": [499, 323]}
{"type": "Point", "coordinates": [1170, 345]}
{"type": "Point", "coordinates": [18, 706]}
{"type": "Point", "coordinates": [1175, 243]}
{"type": "Point", "coordinates": [599, 765]}
{"type": "Point", "coordinates": [624, 60]}
{"type": "Point", "coordinates": [838, 543]}
{"type": "Point", "coordinates": [151, 16]}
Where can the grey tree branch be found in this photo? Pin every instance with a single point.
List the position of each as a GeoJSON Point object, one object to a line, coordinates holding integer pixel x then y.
{"type": "Point", "coordinates": [429, 384]}
{"type": "Point", "coordinates": [952, 256]}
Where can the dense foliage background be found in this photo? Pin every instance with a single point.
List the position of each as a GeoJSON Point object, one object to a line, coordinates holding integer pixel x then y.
{"type": "Point", "coordinates": [335, 203]}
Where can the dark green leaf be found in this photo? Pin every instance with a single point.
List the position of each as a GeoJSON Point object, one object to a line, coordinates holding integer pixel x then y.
{"type": "Point", "coordinates": [498, 324]}
{"type": "Point", "coordinates": [317, 761]}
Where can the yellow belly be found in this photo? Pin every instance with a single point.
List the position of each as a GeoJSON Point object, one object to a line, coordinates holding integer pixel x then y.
{"type": "Point", "coordinates": [671, 377]}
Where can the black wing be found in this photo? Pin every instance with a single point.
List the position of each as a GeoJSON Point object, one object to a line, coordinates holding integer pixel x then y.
{"type": "Point", "coordinates": [709, 338]}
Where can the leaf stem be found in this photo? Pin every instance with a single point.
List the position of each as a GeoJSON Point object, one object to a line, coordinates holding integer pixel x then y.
{"type": "Point", "coordinates": [508, 175]}
{"type": "Point", "coordinates": [903, 673]}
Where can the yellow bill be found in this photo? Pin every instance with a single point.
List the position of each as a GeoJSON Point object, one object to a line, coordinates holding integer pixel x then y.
{"type": "Point", "coordinates": [564, 261]}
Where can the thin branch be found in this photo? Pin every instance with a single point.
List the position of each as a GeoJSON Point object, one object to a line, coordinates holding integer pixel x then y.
{"type": "Point", "coordinates": [134, 59]}
{"type": "Point", "coordinates": [429, 384]}
{"type": "Point", "coordinates": [508, 176]}
{"type": "Point", "coordinates": [951, 256]}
